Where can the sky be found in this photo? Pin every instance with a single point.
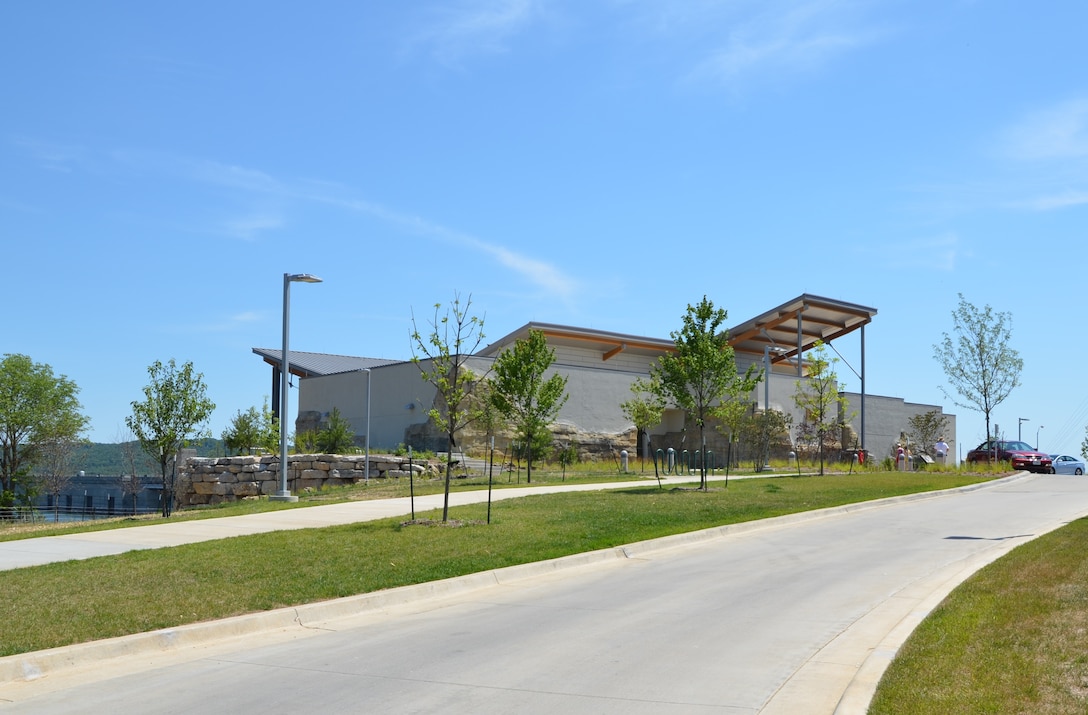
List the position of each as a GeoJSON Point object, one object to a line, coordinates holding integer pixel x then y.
{"type": "Point", "coordinates": [594, 163]}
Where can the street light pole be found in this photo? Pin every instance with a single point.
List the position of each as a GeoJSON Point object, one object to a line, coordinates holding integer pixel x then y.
{"type": "Point", "coordinates": [1019, 422]}
{"type": "Point", "coordinates": [366, 462]}
{"type": "Point", "coordinates": [285, 370]}
{"type": "Point", "coordinates": [1037, 437]}
{"type": "Point", "coordinates": [766, 378]}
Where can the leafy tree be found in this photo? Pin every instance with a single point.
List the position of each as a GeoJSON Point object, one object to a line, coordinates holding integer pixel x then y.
{"type": "Point", "coordinates": [174, 408]}
{"type": "Point", "coordinates": [764, 428]}
{"type": "Point", "coordinates": [448, 346]}
{"type": "Point", "coordinates": [522, 395]}
{"type": "Point", "coordinates": [981, 367]}
{"type": "Point", "coordinates": [242, 434]}
{"type": "Point", "coordinates": [702, 371]}
{"type": "Point", "coordinates": [820, 398]}
{"type": "Point", "coordinates": [644, 409]}
{"type": "Point", "coordinates": [337, 437]}
{"type": "Point", "coordinates": [55, 468]}
{"type": "Point", "coordinates": [925, 429]}
{"type": "Point", "coordinates": [732, 416]}
{"type": "Point", "coordinates": [253, 432]}
{"type": "Point", "coordinates": [306, 441]}
{"type": "Point", "coordinates": [37, 409]}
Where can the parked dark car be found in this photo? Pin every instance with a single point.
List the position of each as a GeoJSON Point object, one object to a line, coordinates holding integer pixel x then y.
{"type": "Point", "coordinates": [1021, 454]}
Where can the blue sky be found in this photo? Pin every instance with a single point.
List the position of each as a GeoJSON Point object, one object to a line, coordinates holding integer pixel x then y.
{"type": "Point", "coordinates": [598, 163]}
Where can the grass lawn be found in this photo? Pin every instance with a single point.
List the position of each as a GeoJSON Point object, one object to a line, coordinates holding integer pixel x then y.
{"type": "Point", "coordinates": [76, 601]}
{"type": "Point", "coordinates": [1011, 639]}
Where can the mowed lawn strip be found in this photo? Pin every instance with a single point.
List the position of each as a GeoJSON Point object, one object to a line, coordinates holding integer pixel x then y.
{"type": "Point", "coordinates": [77, 601]}
{"type": "Point", "coordinates": [1011, 639]}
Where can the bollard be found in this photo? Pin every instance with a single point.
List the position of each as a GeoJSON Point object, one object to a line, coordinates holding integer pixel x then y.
{"type": "Point", "coordinates": [623, 461]}
{"type": "Point", "coordinates": [670, 465]}
{"type": "Point", "coordinates": [902, 462]}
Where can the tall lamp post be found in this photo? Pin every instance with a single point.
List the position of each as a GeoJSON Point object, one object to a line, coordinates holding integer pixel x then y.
{"type": "Point", "coordinates": [1037, 437]}
{"type": "Point", "coordinates": [366, 461]}
{"type": "Point", "coordinates": [1020, 421]}
{"type": "Point", "coordinates": [285, 370]}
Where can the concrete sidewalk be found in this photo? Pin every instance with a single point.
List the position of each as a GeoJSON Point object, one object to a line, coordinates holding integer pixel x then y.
{"type": "Point", "coordinates": [51, 549]}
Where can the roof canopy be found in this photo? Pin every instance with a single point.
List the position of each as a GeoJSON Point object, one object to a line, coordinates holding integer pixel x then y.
{"type": "Point", "coordinates": [317, 364]}
{"type": "Point", "coordinates": [609, 343]}
{"type": "Point", "coordinates": [793, 327]}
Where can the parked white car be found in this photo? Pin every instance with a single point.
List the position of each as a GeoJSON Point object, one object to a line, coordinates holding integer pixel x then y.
{"type": "Point", "coordinates": [1064, 464]}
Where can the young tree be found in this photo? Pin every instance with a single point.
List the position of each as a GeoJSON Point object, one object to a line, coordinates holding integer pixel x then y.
{"type": "Point", "coordinates": [253, 432]}
{"type": "Point", "coordinates": [522, 395]}
{"type": "Point", "coordinates": [732, 416]}
{"type": "Point", "coordinates": [820, 398]}
{"type": "Point", "coordinates": [925, 429]}
{"type": "Point", "coordinates": [702, 371]}
{"type": "Point", "coordinates": [55, 468]}
{"type": "Point", "coordinates": [243, 432]}
{"type": "Point", "coordinates": [174, 408]}
{"type": "Point", "coordinates": [644, 409]}
{"type": "Point", "coordinates": [337, 437]}
{"type": "Point", "coordinates": [765, 427]}
{"type": "Point", "coordinates": [37, 408]}
{"type": "Point", "coordinates": [451, 341]}
{"type": "Point", "coordinates": [133, 461]}
{"type": "Point", "coordinates": [979, 363]}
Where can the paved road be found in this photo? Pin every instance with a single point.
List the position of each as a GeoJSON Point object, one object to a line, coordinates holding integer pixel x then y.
{"type": "Point", "coordinates": [798, 615]}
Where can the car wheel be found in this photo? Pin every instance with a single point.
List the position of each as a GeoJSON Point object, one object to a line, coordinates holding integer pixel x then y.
{"type": "Point", "coordinates": [1079, 471]}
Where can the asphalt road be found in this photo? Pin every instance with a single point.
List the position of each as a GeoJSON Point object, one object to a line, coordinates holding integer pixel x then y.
{"type": "Point", "coordinates": [795, 616]}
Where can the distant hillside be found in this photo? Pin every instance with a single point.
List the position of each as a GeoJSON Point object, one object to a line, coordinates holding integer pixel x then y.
{"type": "Point", "coordinates": [109, 459]}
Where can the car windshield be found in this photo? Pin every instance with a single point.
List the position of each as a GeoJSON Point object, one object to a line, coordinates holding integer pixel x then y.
{"type": "Point", "coordinates": [1018, 447]}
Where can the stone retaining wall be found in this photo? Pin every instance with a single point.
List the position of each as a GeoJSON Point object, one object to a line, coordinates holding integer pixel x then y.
{"type": "Point", "coordinates": [213, 480]}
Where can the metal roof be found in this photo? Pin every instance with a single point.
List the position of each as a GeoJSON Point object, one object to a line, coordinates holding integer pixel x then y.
{"type": "Point", "coordinates": [795, 326]}
{"type": "Point", "coordinates": [317, 364]}
{"type": "Point", "coordinates": [607, 342]}
{"type": "Point", "coordinates": [791, 328]}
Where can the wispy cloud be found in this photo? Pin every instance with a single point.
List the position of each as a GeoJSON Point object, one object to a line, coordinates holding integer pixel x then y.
{"type": "Point", "coordinates": [248, 227]}
{"type": "Point", "coordinates": [1063, 200]}
{"type": "Point", "coordinates": [53, 156]}
{"type": "Point", "coordinates": [473, 27]}
{"type": "Point", "coordinates": [541, 274]}
{"type": "Point", "coordinates": [784, 37]}
{"type": "Point", "coordinates": [1047, 152]}
{"type": "Point", "coordinates": [1058, 132]}
{"type": "Point", "coordinates": [940, 253]}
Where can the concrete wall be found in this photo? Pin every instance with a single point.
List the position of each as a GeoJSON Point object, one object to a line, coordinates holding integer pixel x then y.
{"type": "Point", "coordinates": [887, 418]}
{"type": "Point", "coordinates": [400, 398]}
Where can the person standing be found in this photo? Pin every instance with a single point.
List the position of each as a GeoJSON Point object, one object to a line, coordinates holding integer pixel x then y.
{"type": "Point", "coordinates": [941, 450]}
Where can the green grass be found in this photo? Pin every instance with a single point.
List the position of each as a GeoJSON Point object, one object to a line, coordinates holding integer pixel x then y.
{"type": "Point", "coordinates": [1011, 639]}
{"type": "Point", "coordinates": [76, 601]}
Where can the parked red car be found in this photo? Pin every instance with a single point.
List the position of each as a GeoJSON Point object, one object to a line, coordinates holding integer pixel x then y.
{"type": "Point", "coordinates": [1021, 454]}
